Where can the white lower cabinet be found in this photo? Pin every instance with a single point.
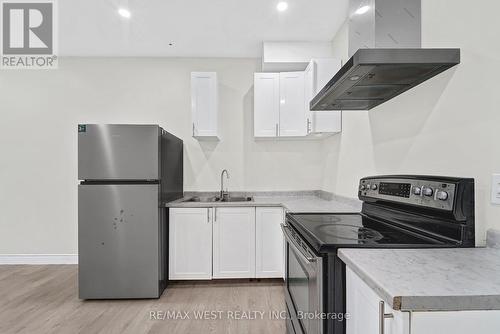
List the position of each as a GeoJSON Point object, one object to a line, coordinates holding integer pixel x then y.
{"type": "Point", "coordinates": [190, 243]}
{"type": "Point", "coordinates": [225, 242]}
{"type": "Point", "coordinates": [364, 315]}
{"type": "Point", "coordinates": [269, 254]}
{"type": "Point", "coordinates": [234, 242]}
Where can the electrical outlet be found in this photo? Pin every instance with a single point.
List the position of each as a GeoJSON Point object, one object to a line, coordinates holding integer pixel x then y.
{"type": "Point", "coordinates": [495, 189]}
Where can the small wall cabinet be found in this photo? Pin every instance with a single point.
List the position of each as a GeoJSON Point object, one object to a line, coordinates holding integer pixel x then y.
{"type": "Point", "coordinates": [281, 102]}
{"type": "Point", "coordinates": [204, 105]}
{"type": "Point", "coordinates": [225, 242]}
{"type": "Point", "coordinates": [365, 313]}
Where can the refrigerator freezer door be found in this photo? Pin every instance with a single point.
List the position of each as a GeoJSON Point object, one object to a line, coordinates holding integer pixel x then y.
{"type": "Point", "coordinates": [118, 152]}
{"type": "Point", "coordinates": [118, 241]}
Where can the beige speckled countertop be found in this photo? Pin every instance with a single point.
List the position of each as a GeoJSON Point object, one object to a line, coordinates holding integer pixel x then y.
{"type": "Point", "coordinates": [301, 201]}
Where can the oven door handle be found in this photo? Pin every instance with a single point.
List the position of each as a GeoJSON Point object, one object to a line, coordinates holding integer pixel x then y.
{"type": "Point", "coordinates": [302, 253]}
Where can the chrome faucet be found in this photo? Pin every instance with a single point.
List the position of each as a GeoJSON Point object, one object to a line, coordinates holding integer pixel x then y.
{"type": "Point", "coordinates": [223, 194]}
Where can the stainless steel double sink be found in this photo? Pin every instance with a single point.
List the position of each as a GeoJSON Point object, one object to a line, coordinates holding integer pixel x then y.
{"type": "Point", "coordinates": [215, 199]}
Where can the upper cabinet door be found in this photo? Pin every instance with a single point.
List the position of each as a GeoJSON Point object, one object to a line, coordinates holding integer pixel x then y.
{"type": "Point", "coordinates": [204, 105]}
{"type": "Point", "coordinates": [317, 75]}
{"type": "Point", "coordinates": [292, 113]}
{"type": "Point", "coordinates": [266, 104]}
{"type": "Point", "coordinates": [309, 93]}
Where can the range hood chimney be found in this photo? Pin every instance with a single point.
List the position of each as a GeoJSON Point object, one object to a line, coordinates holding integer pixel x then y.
{"type": "Point", "coordinates": [386, 56]}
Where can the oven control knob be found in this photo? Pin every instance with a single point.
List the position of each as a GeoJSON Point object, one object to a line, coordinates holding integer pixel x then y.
{"type": "Point", "coordinates": [368, 186]}
{"type": "Point", "coordinates": [427, 191]}
{"type": "Point", "coordinates": [362, 187]}
{"type": "Point", "coordinates": [417, 191]}
{"type": "Point", "coordinates": [442, 195]}
{"type": "Point", "coordinates": [374, 187]}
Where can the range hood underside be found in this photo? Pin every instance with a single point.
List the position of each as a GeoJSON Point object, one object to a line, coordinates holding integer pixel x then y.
{"type": "Point", "coordinates": [374, 76]}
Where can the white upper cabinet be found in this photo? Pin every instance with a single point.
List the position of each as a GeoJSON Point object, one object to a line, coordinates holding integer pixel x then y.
{"type": "Point", "coordinates": [204, 105]}
{"type": "Point", "coordinates": [266, 104]}
{"type": "Point", "coordinates": [279, 105]}
{"type": "Point", "coordinates": [317, 74]}
{"type": "Point", "coordinates": [292, 115]}
{"type": "Point", "coordinates": [282, 102]}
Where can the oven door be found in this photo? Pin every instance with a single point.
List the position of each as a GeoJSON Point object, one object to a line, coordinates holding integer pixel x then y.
{"type": "Point", "coordinates": [303, 281]}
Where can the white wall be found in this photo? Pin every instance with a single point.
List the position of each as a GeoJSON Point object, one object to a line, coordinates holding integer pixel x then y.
{"type": "Point", "coordinates": [446, 126]}
{"type": "Point", "coordinates": [40, 110]}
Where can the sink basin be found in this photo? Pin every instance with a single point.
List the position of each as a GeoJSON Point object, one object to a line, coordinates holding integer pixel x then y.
{"type": "Point", "coordinates": [213, 199]}
{"type": "Point", "coordinates": [237, 199]}
{"type": "Point", "coordinates": [196, 199]}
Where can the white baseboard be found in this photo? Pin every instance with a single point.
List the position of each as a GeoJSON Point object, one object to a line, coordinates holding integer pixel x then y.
{"type": "Point", "coordinates": [38, 259]}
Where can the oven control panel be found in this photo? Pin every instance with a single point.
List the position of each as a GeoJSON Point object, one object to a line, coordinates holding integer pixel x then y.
{"type": "Point", "coordinates": [432, 194]}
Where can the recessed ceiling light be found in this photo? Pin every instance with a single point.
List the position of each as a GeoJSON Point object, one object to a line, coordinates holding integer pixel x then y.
{"type": "Point", "coordinates": [362, 10]}
{"type": "Point", "coordinates": [282, 6]}
{"type": "Point", "coordinates": [124, 13]}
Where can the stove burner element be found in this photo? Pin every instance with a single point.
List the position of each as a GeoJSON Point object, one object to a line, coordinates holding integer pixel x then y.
{"type": "Point", "coordinates": [350, 232]}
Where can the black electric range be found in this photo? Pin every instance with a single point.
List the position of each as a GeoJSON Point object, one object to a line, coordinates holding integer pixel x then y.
{"type": "Point", "coordinates": [398, 211]}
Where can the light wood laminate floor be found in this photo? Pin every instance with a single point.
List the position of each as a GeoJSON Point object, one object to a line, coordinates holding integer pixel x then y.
{"type": "Point", "coordinates": [44, 299]}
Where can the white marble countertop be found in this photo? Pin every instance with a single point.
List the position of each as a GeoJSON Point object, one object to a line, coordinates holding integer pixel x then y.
{"type": "Point", "coordinates": [430, 279]}
{"type": "Point", "coordinates": [293, 202]}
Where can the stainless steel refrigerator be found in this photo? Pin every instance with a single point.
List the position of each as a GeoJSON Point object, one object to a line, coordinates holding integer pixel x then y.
{"type": "Point", "coordinates": [127, 172]}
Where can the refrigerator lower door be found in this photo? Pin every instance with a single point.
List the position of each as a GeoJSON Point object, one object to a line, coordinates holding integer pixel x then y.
{"type": "Point", "coordinates": [119, 241]}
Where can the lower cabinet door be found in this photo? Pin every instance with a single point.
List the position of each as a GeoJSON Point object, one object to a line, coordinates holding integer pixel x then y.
{"type": "Point", "coordinates": [364, 313]}
{"type": "Point", "coordinates": [234, 242]}
{"type": "Point", "coordinates": [190, 243]}
{"type": "Point", "coordinates": [269, 254]}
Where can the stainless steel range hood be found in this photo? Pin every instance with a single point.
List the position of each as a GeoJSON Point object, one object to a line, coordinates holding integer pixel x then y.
{"type": "Point", "coordinates": [386, 56]}
{"type": "Point", "coordinates": [374, 76]}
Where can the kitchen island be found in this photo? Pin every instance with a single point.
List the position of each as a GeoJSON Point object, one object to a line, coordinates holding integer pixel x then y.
{"type": "Point", "coordinates": [423, 290]}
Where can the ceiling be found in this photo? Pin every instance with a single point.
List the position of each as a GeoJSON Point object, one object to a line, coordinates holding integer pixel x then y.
{"type": "Point", "coordinates": [195, 28]}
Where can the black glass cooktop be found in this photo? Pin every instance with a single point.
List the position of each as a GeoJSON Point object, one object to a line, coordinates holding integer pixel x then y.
{"type": "Point", "coordinates": [331, 231]}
